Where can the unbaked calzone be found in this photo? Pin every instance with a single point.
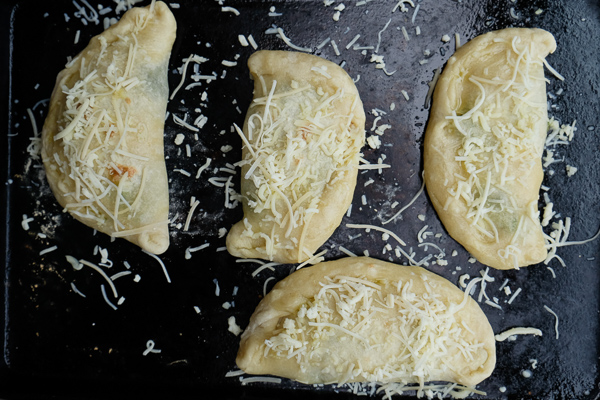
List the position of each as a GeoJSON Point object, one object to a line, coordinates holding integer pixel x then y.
{"type": "Point", "coordinates": [102, 141]}
{"type": "Point", "coordinates": [359, 319]}
{"type": "Point", "coordinates": [484, 143]}
{"type": "Point", "coordinates": [301, 141]}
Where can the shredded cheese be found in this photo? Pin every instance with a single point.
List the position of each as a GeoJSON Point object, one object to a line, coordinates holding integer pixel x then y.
{"type": "Point", "coordinates": [290, 44]}
{"type": "Point", "coordinates": [162, 264]}
{"type": "Point", "coordinates": [495, 152]}
{"type": "Point", "coordinates": [423, 329]}
{"type": "Point", "coordinates": [390, 233]}
{"type": "Point", "coordinates": [102, 172]}
{"type": "Point", "coordinates": [555, 320]}
{"type": "Point", "coordinates": [296, 145]}
{"type": "Point", "coordinates": [517, 331]}
{"type": "Point", "coordinates": [233, 327]}
{"type": "Point", "coordinates": [558, 238]}
{"type": "Point", "coordinates": [406, 206]}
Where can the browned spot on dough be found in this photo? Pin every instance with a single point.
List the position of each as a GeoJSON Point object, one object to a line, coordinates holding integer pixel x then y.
{"type": "Point", "coordinates": [115, 175]}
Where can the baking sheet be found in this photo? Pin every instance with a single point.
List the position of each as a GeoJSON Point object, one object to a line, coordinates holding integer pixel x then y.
{"type": "Point", "coordinates": [59, 343]}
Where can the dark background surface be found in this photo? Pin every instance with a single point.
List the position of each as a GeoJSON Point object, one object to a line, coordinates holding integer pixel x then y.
{"type": "Point", "coordinates": [59, 344]}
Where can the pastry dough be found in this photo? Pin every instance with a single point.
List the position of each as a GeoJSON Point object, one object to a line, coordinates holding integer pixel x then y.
{"type": "Point", "coordinates": [484, 143]}
{"type": "Point", "coordinates": [302, 136]}
{"type": "Point", "coordinates": [102, 141]}
{"type": "Point", "coordinates": [359, 319]}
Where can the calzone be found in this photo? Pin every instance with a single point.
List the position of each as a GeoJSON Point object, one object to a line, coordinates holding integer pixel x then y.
{"type": "Point", "coordinates": [301, 141]}
{"type": "Point", "coordinates": [102, 141]}
{"type": "Point", "coordinates": [484, 143]}
{"type": "Point", "coordinates": [358, 319]}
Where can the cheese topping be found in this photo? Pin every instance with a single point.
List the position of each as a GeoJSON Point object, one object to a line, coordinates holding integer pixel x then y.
{"type": "Point", "coordinates": [517, 331]}
{"type": "Point", "coordinates": [558, 238]}
{"type": "Point", "coordinates": [102, 170]}
{"type": "Point", "coordinates": [498, 150]}
{"type": "Point", "coordinates": [421, 333]}
{"type": "Point", "coordinates": [297, 145]}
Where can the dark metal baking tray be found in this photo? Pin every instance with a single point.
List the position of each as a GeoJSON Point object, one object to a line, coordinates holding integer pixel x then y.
{"type": "Point", "coordinates": [57, 343]}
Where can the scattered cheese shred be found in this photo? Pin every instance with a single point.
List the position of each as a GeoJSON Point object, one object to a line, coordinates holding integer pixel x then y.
{"type": "Point", "coordinates": [406, 206]}
{"type": "Point", "coordinates": [97, 269]}
{"type": "Point", "coordinates": [517, 331]}
{"type": "Point", "coordinates": [233, 327]}
{"type": "Point", "coordinates": [292, 159]}
{"type": "Point", "coordinates": [48, 250]}
{"type": "Point", "coordinates": [74, 288]}
{"type": "Point", "coordinates": [431, 84]}
{"type": "Point", "coordinates": [558, 238]}
{"type": "Point", "coordinates": [162, 264]}
{"type": "Point", "coordinates": [260, 379]}
{"type": "Point", "coordinates": [555, 319]}
{"type": "Point", "coordinates": [190, 214]}
{"type": "Point", "coordinates": [231, 10]}
{"type": "Point", "coordinates": [515, 294]}
{"type": "Point", "coordinates": [190, 250]}
{"type": "Point", "coordinates": [290, 44]}
{"type": "Point", "coordinates": [103, 290]}
{"type": "Point", "coordinates": [392, 234]}
{"type": "Point", "coordinates": [150, 348]}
